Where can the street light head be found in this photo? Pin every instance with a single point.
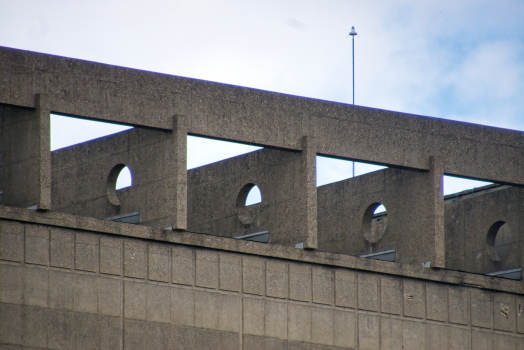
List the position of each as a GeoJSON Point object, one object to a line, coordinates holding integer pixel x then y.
{"type": "Point", "coordinates": [353, 32]}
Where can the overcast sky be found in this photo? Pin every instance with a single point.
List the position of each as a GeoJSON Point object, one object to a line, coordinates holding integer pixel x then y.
{"type": "Point", "coordinates": [460, 60]}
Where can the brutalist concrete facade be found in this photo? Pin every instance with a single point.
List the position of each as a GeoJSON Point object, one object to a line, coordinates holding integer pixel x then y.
{"type": "Point", "coordinates": [180, 280]}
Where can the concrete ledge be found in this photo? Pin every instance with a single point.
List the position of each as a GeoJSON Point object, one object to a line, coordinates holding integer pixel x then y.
{"type": "Point", "coordinates": [260, 249]}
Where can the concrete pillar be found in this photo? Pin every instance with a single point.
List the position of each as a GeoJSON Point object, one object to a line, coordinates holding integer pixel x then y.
{"type": "Point", "coordinates": [43, 113]}
{"type": "Point", "coordinates": [436, 173]}
{"type": "Point", "coordinates": [309, 191]}
{"type": "Point", "coordinates": [180, 150]}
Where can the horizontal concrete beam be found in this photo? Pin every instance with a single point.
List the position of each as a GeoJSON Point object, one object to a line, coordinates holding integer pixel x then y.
{"type": "Point", "coordinates": [149, 99]}
{"type": "Point", "coordinates": [259, 249]}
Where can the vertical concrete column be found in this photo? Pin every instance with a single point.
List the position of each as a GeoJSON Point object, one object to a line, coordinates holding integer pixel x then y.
{"type": "Point", "coordinates": [180, 151]}
{"type": "Point", "coordinates": [309, 191]}
{"type": "Point", "coordinates": [43, 113]}
{"type": "Point", "coordinates": [436, 173]}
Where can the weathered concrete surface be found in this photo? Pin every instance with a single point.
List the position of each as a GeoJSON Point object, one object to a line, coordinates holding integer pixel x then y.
{"type": "Point", "coordinates": [468, 219]}
{"type": "Point", "coordinates": [215, 205]}
{"type": "Point", "coordinates": [135, 97]}
{"type": "Point", "coordinates": [75, 289]}
{"type": "Point", "coordinates": [83, 185]}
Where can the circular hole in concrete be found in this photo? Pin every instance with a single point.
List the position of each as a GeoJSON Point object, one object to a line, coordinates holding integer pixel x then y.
{"type": "Point", "coordinates": [374, 222]}
{"type": "Point", "coordinates": [119, 177]}
{"type": "Point", "coordinates": [499, 241]}
{"type": "Point", "coordinates": [247, 198]}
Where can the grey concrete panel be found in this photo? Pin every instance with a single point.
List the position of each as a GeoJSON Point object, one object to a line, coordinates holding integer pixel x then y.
{"type": "Point", "coordinates": [504, 312]}
{"type": "Point", "coordinates": [391, 295]}
{"type": "Point", "coordinates": [436, 302]}
{"type": "Point", "coordinates": [158, 303]}
{"type": "Point", "coordinates": [59, 329]}
{"type": "Point", "coordinates": [11, 284]}
{"type": "Point", "coordinates": [253, 316]}
{"type": "Point", "coordinates": [36, 245]}
{"type": "Point", "coordinates": [299, 322]}
{"type": "Point", "coordinates": [61, 286]}
{"type": "Point", "coordinates": [183, 270]}
{"type": "Point", "coordinates": [230, 272]}
{"type": "Point", "coordinates": [62, 248]}
{"type": "Point", "coordinates": [110, 296]}
{"type": "Point", "coordinates": [368, 292]}
{"type": "Point", "coordinates": [414, 299]}
{"type": "Point", "coordinates": [345, 288]}
{"type": "Point", "coordinates": [35, 287]}
{"type": "Point", "coordinates": [158, 336]}
{"type": "Point", "coordinates": [276, 319]}
{"type": "Point", "coordinates": [277, 277]}
{"type": "Point", "coordinates": [87, 252]}
{"type": "Point", "coordinates": [206, 269]}
{"type": "Point", "coordinates": [481, 308]}
{"type": "Point", "coordinates": [135, 300]}
{"type": "Point", "coordinates": [458, 305]}
{"type": "Point", "coordinates": [135, 334]}
{"type": "Point", "coordinates": [85, 331]}
{"type": "Point", "coordinates": [182, 306]}
{"type": "Point", "coordinates": [218, 311]}
{"type": "Point", "coordinates": [520, 314]}
{"type": "Point", "coordinates": [110, 336]}
{"type": "Point", "coordinates": [323, 285]}
{"type": "Point", "coordinates": [368, 332]}
{"type": "Point", "coordinates": [437, 337]}
{"type": "Point", "coordinates": [503, 341]}
{"type": "Point", "coordinates": [135, 258]}
{"type": "Point", "coordinates": [11, 324]}
{"type": "Point", "coordinates": [322, 326]}
{"type": "Point", "coordinates": [85, 294]}
{"type": "Point", "coordinates": [481, 340]}
{"type": "Point", "coordinates": [413, 335]}
{"type": "Point", "coordinates": [11, 241]}
{"type": "Point", "coordinates": [111, 255]}
{"type": "Point", "coordinates": [220, 340]}
{"type": "Point", "coordinates": [459, 338]}
{"type": "Point", "coordinates": [253, 275]}
{"type": "Point", "coordinates": [182, 338]}
{"type": "Point", "coordinates": [159, 263]}
{"type": "Point", "coordinates": [390, 334]}
{"type": "Point", "coordinates": [299, 282]}
{"type": "Point", "coordinates": [35, 327]}
{"type": "Point", "coordinates": [345, 328]}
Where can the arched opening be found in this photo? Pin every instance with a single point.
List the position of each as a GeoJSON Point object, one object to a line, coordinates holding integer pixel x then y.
{"type": "Point", "coordinates": [498, 241]}
{"type": "Point", "coordinates": [375, 222]}
{"type": "Point", "coordinates": [119, 177]}
{"type": "Point", "coordinates": [248, 196]}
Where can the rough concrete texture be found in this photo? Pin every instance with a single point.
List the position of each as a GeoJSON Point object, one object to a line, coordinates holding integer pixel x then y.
{"type": "Point", "coordinates": [468, 220]}
{"type": "Point", "coordinates": [216, 196]}
{"type": "Point", "coordinates": [69, 280]}
{"type": "Point", "coordinates": [84, 177]}
{"type": "Point", "coordinates": [70, 306]}
{"type": "Point", "coordinates": [127, 96]}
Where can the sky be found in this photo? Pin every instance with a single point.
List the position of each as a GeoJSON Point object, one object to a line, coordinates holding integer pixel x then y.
{"type": "Point", "coordinates": [459, 60]}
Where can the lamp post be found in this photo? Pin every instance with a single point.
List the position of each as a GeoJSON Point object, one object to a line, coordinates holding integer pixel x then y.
{"type": "Point", "coordinates": [353, 33]}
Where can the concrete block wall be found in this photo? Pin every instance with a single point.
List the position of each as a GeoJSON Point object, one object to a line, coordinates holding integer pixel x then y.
{"type": "Point", "coordinates": [213, 191]}
{"type": "Point", "coordinates": [19, 156]}
{"type": "Point", "coordinates": [468, 219]}
{"type": "Point", "coordinates": [72, 289]}
{"type": "Point", "coordinates": [410, 215]}
{"type": "Point", "coordinates": [80, 176]}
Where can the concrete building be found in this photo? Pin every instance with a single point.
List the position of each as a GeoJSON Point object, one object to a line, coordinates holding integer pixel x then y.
{"type": "Point", "coordinates": [178, 261]}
